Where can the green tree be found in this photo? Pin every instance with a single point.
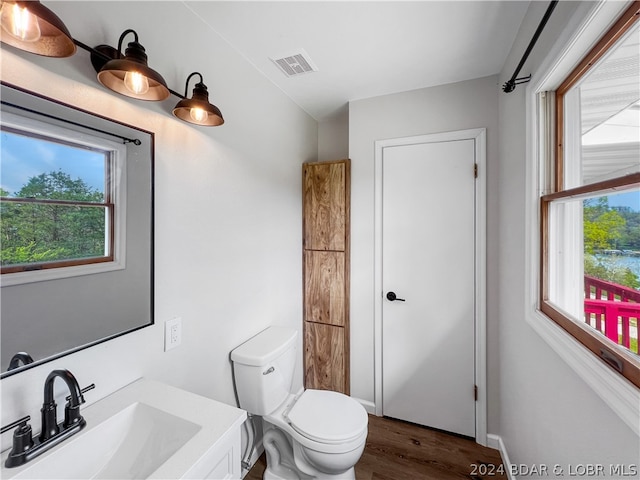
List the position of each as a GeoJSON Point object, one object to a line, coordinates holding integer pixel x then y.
{"type": "Point", "coordinates": [603, 229]}
{"type": "Point", "coordinates": [34, 232]}
{"type": "Point", "coordinates": [58, 185]}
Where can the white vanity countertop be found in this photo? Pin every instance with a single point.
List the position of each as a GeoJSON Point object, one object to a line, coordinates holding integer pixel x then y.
{"type": "Point", "coordinates": [214, 419]}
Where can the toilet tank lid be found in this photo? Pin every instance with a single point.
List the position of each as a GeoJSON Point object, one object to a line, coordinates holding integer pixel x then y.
{"type": "Point", "coordinates": [265, 346]}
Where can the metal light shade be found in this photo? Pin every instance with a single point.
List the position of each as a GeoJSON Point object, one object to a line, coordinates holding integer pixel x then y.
{"type": "Point", "coordinates": [32, 27]}
{"type": "Point", "coordinates": [114, 74]}
{"type": "Point", "coordinates": [197, 109]}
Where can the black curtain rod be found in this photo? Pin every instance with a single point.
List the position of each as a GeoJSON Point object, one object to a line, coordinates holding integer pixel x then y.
{"type": "Point", "coordinates": [107, 58]}
{"type": "Point", "coordinates": [510, 86]}
{"type": "Point", "coordinates": [135, 141]}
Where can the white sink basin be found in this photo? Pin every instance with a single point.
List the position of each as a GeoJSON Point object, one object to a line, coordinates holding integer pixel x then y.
{"type": "Point", "coordinates": [145, 430]}
{"type": "Point", "coordinates": [132, 444]}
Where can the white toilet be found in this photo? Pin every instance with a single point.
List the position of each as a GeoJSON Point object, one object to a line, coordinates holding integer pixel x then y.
{"type": "Point", "coordinates": [317, 434]}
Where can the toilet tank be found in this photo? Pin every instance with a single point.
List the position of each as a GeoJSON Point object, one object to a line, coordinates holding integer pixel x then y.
{"type": "Point", "coordinates": [263, 369]}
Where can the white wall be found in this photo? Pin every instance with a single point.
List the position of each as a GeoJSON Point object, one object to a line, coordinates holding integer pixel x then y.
{"type": "Point", "coordinates": [333, 136]}
{"type": "Point", "coordinates": [227, 211]}
{"type": "Point", "coordinates": [458, 106]}
{"type": "Point", "coordinates": [547, 413]}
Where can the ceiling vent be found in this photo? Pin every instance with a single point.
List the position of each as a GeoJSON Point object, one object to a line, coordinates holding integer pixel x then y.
{"type": "Point", "coordinates": [295, 64]}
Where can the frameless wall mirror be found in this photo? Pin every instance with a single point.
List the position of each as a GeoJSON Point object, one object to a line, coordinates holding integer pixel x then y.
{"type": "Point", "coordinates": [76, 226]}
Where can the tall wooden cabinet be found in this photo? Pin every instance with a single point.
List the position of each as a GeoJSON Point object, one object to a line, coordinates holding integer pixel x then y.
{"type": "Point", "coordinates": [325, 242]}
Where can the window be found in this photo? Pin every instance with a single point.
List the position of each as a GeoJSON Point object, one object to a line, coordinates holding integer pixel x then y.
{"type": "Point", "coordinates": [58, 198]}
{"type": "Point", "coordinates": [590, 210]}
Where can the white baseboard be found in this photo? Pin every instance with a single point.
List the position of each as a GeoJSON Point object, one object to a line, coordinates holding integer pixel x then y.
{"type": "Point", "coordinates": [370, 407]}
{"type": "Point", "coordinates": [495, 441]}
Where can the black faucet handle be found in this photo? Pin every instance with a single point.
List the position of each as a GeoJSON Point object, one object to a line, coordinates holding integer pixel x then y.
{"type": "Point", "coordinates": [72, 416]}
{"type": "Point", "coordinates": [18, 423]}
{"type": "Point", "coordinates": [72, 412]}
{"type": "Point", "coordinates": [22, 435]}
{"type": "Point", "coordinates": [84, 390]}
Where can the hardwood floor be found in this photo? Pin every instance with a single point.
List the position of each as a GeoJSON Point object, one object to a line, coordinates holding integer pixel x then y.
{"type": "Point", "coordinates": [398, 450]}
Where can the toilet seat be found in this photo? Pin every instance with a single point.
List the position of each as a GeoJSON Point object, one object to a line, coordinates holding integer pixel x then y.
{"type": "Point", "coordinates": [280, 419]}
{"type": "Point", "coordinates": [327, 417]}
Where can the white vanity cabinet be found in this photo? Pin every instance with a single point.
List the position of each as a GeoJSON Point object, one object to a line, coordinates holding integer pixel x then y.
{"type": "Point", "coordinates": [222, 461]}
{"type": "Point", "coordinates": [145, 430]}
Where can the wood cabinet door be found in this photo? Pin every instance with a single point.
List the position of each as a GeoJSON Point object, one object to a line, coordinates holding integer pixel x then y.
{"type": "Point", "coordinates": [325, 355]}
{"type": "Point", "coordinates": [324, 287]}
{"type": "Point", "coordinates": [325, 207]}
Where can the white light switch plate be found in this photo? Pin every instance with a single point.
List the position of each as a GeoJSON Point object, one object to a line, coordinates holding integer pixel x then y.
{"type": "Point", "coordinates": [172, 333]}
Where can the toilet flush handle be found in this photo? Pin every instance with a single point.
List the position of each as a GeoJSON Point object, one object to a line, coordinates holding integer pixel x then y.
{"type": "Point", "coordinates": [269, 370]}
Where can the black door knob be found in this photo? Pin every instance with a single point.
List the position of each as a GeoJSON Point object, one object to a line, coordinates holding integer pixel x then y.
{"type": "Point", "coordinates": [392, 297]}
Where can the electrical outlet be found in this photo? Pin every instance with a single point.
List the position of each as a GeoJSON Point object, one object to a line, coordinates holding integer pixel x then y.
{"type": "Point", "coordinates": [172, 333]}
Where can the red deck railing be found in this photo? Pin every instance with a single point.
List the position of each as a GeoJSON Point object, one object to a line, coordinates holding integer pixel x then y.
{"type": "Point", "coordinates": [614, 310]}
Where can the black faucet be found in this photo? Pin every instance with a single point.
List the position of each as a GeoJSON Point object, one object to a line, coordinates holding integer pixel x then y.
{"type": "Point", "coordinates": [72, 416]}
{"type": "Point", "coordinates": [23, 357]}
{"type": "Point", "coordinates": [25, 447]}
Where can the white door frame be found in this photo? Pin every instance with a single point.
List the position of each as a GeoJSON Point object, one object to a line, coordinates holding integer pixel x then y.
{"type": "Point", "coordinates": [478, 135]}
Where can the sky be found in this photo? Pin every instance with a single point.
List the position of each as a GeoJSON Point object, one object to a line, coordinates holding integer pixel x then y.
{"type": "Point", "coordinates": [628, 199]}
{"type": "Point", "coordinates": [23, 158]}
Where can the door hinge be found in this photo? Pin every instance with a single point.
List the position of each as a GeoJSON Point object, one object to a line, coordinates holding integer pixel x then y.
{"type": "Point", "coordinates": [475, 170]}
{"type": "Point", "coordinates": [475, 393]}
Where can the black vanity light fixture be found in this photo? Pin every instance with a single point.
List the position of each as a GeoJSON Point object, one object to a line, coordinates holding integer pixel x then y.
{"type": "Point", "coordinates": [32, 27]}
{"type": "Point", "coordinates": [131, 76]}
{"type": "Point", "coordinates": [197, 109]}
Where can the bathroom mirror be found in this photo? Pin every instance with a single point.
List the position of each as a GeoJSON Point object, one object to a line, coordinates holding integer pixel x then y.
{"type": "Point", "coordinates": [76, 217]}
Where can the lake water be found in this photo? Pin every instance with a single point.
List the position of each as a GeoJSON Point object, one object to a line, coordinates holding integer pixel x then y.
{"type": "Point", "coordinates": [633, 263]}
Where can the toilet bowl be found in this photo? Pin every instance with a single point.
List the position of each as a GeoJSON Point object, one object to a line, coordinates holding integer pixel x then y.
{"type": "Point", "coordinates": [316, 434]}
{"type": "Point", "coordinates": [328, 430]}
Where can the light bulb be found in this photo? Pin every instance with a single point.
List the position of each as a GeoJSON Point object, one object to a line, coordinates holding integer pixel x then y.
{"type": "Point", "coordinates": [198, 114]}
{"type": "Point", "coordinates": [136, 83]}
{"type": "Point", "coordinates": [20, 23]}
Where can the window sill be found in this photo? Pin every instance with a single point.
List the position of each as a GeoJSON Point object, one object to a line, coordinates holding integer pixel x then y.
{"type": "Point", "coordinates": [20, 278]}
{"type": "Point", "coordinates": [622, 396]}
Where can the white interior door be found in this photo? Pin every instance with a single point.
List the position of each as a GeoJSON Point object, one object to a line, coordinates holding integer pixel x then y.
{"type": "Point", "coordinates": [428, 262]}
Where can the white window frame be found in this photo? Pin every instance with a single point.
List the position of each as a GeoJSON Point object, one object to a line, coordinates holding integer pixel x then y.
{"type": "Point", "coordinates": [118, 183]}
{"type": "Point", "coordinates": [584, 29]}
